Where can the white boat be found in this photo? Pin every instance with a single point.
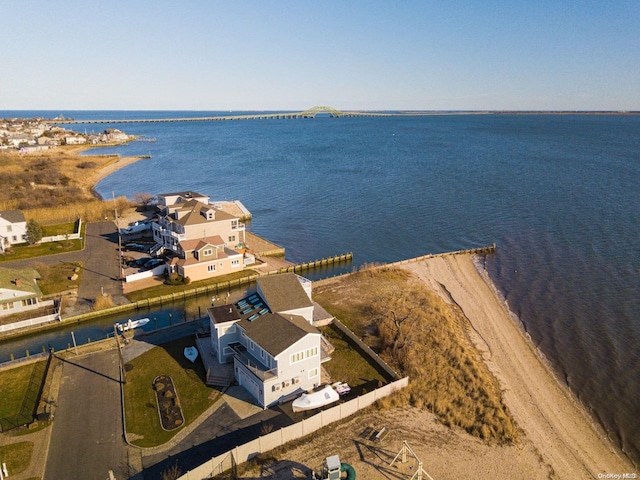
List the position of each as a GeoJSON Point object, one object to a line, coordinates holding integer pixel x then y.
{"type": "Point", "coordinates": [309, 401]}
{"type": "Point", "coordinates": [191, 353]}
{"type": "Point", "coordinates": [131, 324]}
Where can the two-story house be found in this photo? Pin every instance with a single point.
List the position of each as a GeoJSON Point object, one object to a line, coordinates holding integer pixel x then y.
{"type": "Point", "coordinates": [204, 239]}
{"type": "Point", "coordinates": [274, 354]}
{"type": "Point", "coordinates": [13, 228]}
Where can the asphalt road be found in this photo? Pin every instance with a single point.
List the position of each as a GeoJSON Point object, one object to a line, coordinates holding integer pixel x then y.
{"type": "Point", "coordinates": [101, 264]}
{"type": "Point", "coordinates": [86, 437]}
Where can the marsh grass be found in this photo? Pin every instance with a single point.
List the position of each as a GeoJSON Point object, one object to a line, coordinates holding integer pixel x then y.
{"type": "Point", "coordinates": [422, 337]}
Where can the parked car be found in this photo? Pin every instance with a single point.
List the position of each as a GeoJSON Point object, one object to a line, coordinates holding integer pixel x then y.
{"type": "Point", "coordinates": [153, 263]}
{"type": "Point", "coordinates": [141, 261]}
{"type": "Point", "coordinates": [136, 247]}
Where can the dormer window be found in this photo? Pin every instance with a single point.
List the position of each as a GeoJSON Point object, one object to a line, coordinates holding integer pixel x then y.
{"type": "Point", "coordinates": [207, 253]}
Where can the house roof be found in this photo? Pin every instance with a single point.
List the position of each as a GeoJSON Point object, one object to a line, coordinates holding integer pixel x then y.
{"type": "Point", "coordinates": [194, 215]}
{"type": "Point", "coordinates": [289, 329]}
{"type": "Point", "coordinates": [224, 313]}
{"type": "Point", "coordinates": [23, 280]}
{"type": "Point", "coordinates": [12, 216]}
{"type": "Point", "coordinates": [283, 292]}
{"type": "Point", "coordinates": [198, 243]}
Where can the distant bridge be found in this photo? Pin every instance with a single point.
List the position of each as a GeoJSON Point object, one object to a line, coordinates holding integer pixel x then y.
{"type": "Point", "coordinates": [310, 113]}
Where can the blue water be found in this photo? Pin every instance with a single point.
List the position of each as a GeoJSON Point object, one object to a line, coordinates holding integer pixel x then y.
{"type": "Point", "coordinates": [558, 195]}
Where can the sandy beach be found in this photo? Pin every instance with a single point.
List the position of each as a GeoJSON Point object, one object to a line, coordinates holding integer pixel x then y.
{"type": "Point", "coordinates": [558, 438]}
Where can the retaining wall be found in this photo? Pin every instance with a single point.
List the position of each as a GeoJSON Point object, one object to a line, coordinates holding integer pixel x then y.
{"type": "Point", "coordinates": [243, 453]}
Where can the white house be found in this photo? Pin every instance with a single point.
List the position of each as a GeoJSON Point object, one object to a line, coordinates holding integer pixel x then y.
{"type": "Point", "coordinates": [19, 291]}
{"type": "Point", "coordinates": [13, 228]}
{"type": "Point", "coordinates": [275, 354]}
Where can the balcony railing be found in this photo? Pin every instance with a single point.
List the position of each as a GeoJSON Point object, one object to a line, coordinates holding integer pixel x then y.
{"type": "Point", "coordinates": [252, 363]}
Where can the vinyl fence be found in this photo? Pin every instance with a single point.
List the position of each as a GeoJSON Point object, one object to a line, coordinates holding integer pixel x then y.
{"type": "Point", "coordinates": [243, 453]}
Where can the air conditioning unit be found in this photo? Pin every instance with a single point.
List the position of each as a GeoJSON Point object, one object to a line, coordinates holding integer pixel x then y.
{"type": "Point", "coordinates": [296, 380]}
{"type": "Point", "coordinates": [286, 384]}
{"type": "Point", "coordinates": [276, 387]}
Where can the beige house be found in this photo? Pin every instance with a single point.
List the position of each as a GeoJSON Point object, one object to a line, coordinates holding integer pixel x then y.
{"type": "Point", "coordinates": [205, 240]}
{"type": "Point", "coordinates": [205, 258]}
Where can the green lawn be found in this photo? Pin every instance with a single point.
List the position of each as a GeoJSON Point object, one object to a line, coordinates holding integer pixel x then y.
{"type": "Point", "coordinates": [13, 386]}
{"type": "Point", "coordinates": [17, 456]}
{"type": "Point", "coordinates": [59, 229]}
{"type": "Point", "coordinates": [143, 421]}
{"type": "Point", "coordinates": [164, 289]}
{"type": "Point", "coordinates": [57, 277]}
{"type": "Point", "coordinates": [25, 251]}
{"type": "Point", "coordinates": [348, 364]}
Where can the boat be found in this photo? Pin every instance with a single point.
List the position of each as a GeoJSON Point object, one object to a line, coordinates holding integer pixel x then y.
{"type": "Point", "coordinates": [191, 353]}
{"type": "Point", "coordinates": [341, 388]}
{"type": "Point", "coordinates": [309, 401]}
{"type": "Point", "coordinates": [131, 324]}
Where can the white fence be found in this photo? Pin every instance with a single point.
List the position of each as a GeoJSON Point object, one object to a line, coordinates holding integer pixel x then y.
{"type": "Point", "coordinates": [134, 277]}
{"type": "Point", "coordinates": [60, 238]}
{"type": "Point", "coordinates": [29, 322]}
{"type": "Point", "coordinates": [245, 452]}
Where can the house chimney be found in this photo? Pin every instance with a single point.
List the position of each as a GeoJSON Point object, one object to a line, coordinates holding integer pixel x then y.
{"type": "Point", "coordinates": [18, 282]}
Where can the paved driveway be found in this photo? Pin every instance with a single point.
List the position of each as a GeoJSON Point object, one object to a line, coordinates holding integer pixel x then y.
{"type": "Point", "coordinates": [100, 258]}
{"type": "Point", "coordinates": [86, 436]}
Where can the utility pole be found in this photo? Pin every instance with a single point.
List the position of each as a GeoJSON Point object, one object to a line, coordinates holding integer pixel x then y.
{"type": "Point", "coordinates": [115, 211]}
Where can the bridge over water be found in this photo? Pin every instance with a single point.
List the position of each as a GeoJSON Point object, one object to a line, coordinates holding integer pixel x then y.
{"type": "Point", "coordinates": [310, 113]}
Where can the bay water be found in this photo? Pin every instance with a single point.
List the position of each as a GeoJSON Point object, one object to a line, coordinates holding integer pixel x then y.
{"type": "Point", "coordinates": [558, 194]}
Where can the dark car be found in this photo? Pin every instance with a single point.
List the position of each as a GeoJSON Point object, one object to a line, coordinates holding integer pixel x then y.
{"type": "Point", "coordinates": [141, 261]}
{"type": "Point", "coordinates": [153, 263]}
{"type": "Point", "coordinates": [136, 247]}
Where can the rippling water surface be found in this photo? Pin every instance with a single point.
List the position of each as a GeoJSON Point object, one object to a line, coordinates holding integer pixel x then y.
{"type": "Point", "coordinates": [558, 194]}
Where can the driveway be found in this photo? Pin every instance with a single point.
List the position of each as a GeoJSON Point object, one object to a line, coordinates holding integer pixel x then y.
{"type": "Point", "coordinates": [86, 437]}
{"type": "Point", "coordinates": [100, 258]}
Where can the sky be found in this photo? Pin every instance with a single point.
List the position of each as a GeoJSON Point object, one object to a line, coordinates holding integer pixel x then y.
{"type": "Point", "coordinates": [292, 55]}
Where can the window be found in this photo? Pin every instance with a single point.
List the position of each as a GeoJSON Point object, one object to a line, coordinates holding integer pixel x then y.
{"type": "Point", "coordinates": [312, 352]}
{"type": "Point", "coordinates": [207, 253]}
{"type": "Point", "coordinates": [8, 306]}
{"type": "Point", "coordinates": [29, 301]}
{"type": "Point", "coordinates": [211, 268]}
{"type": "Point", "coordinates": [296, 357]}
{"type": "Point", "coordinates": [9, 228]}
{"type": "Point", "coordinates": [313, 373]}
{"type": "Point", "coordinates": [227, 351]}
{"type": "Point", "coordinates": [234, 224]}
{"type": "Point", "coordinates": [232, 238]}
{"type": "Point", "coordinates": [235, 263]}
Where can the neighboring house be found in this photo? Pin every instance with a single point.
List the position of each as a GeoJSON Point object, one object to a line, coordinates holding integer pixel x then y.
{"type": "Point", "coordinates": [13, 228]}
{"type": "Point", "coordinates": [198, 233]}
{"type": "Point", "coordinates": [19, 291]}
{"type": "Point", "coordinates": [274, 354]}
{"type": "Point", "coordinates": [205, 258]}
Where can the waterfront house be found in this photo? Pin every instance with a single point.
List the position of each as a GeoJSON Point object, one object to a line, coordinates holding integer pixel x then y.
{"type": "Point", "coordinates": [19, 291]}
{"type": "Point", "coordinates": [206, 240]}
{"type": "Point", "coordinates": [13, 228]}
{"type": "Point", "coordinates": [275, 354]}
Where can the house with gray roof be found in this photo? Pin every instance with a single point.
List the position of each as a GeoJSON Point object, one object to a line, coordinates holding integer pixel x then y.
{"type": "Point", "coordinates": [13, 228]}
{"type": "Point", "coordinates": [275, 353]}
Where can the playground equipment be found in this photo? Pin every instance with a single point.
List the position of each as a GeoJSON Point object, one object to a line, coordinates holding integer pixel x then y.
{"type": "Point", "coordinates": [332, 469]}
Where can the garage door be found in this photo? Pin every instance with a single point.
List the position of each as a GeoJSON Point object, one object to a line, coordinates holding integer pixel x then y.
{"type": "Point", "coordinates": [251, 385]}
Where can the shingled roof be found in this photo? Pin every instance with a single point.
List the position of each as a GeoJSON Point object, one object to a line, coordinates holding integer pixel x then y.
{"type": "Point", "coordinates": [13, 216]}
{"type": "Point", "coordinates": [289, 329]}
{"type": "Point", "coordinates": [22, 280]}
{"type": "Point", "coordinates": [283, 292]}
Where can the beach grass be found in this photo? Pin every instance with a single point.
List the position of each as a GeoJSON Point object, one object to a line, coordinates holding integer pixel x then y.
{"type": "Point", "coordinates": [141, 411]}
{"type": "Point", "coordinates": [424, 338]}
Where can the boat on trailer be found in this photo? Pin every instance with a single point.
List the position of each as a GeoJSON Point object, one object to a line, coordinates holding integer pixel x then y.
{"type": "Point", "coordinates": [131, 324]}
{"type": "Point", "coordinates": [191, 353]}
{"type": "Point", "coordinates": [309, 401]}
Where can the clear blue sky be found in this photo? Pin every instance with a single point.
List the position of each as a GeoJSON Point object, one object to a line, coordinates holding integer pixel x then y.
{"type": "Point", "coordinates": [291, 55]}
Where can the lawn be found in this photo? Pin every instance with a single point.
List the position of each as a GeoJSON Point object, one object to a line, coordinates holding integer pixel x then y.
{"type": "Point", "coordinates": [58, 229]}
{"type": "Point", "coordinates": [57, 277]}
{"type": "Point", "coordinates": [348, 364]}
{"type": "Point", "coordinates": [13, 386]}
{"type": "Point", "coordinates": [17, 456]}
{"type": "Point", "coordinates": [164, 289]}
{"type": "Point", "coordinates": [142, 418]}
